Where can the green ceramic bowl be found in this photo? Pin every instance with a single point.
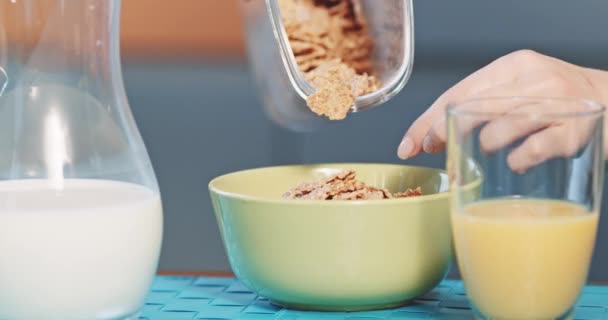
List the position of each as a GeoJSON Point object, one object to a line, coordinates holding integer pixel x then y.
{"type": "Point", "coordinates": [335, 255]}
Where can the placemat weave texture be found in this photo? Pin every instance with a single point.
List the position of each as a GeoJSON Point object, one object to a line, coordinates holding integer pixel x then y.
{"type": "Point", "coordinates": [180, 297]}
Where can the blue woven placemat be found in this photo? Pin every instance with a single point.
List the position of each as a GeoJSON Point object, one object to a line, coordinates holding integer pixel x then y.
{"type": "Point", "coordinates": [178, 298]}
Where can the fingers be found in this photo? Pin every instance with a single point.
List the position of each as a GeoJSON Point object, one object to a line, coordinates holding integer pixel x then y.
{"type": "Point", "coordinates": [516, 121]}
{"type": "Point", "coordinates": [540, 147]}
{"type": "Point", "coordinates": [526, 118]}
{"type": "Point", "coordinates": [506, 121]}
{"type": "Point", "coordinates": [520, 73]}
{"type": "Point", "coordinates": [502, 71]}
{"type": "Point", "coordinates": [436, 137]}
{"type": "Point", "coordinates": [411, 144]}
{"type": "Point", "coordinates": [496, 73]}
{"type": "Point", "coordinates": [561, 140]}
{"type": "Point", "coordinates": [418, 136]}
{"type": "Point", "coordinates": [507, 129]}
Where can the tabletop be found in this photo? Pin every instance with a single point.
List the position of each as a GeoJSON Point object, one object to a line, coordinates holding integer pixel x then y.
{"type": "Point", "coordinates": [216, 296]}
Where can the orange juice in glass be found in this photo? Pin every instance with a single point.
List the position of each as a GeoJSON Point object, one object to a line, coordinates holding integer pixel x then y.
{"type": "Point", "coordinates": [524, 242]}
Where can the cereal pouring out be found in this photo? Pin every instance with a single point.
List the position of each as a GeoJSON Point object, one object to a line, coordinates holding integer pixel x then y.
{"type": "Point", "coordinates": [332, 47]}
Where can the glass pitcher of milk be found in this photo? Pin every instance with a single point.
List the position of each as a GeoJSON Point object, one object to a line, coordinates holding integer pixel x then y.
{"type": "Point", "coordinates": [80, 209]}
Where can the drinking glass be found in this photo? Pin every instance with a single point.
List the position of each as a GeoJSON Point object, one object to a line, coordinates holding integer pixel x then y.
{"type": "Point", "coordinates": [524, 240]}
{"type": "Point", "coordinates": [80, 210]}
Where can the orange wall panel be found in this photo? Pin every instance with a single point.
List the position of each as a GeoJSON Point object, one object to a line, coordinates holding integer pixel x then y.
{"type": "Point", "coordinates": [181, 28]}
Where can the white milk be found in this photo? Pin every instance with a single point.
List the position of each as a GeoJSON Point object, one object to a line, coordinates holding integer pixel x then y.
{"type": "Point", "coordinates": [88, 251]}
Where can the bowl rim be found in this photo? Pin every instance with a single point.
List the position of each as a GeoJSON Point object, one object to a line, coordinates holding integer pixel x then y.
{"type": "Point", "coordinates": [301, 202]}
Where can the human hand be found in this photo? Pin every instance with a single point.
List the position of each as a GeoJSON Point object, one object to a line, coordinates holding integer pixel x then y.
{"type": "Point", "coordinates": [522, 73]}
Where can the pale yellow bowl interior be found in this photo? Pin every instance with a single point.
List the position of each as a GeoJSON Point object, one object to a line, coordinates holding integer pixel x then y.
{"type": "Point", "coordinates": [271, 183]}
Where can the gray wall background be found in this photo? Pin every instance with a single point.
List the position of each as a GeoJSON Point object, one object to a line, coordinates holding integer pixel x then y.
{"type": "Point", "coordinates": [201, 118]}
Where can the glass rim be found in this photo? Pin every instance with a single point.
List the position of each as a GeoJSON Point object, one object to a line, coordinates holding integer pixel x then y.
{"type": "Point", "coordinates": [592, 107]}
